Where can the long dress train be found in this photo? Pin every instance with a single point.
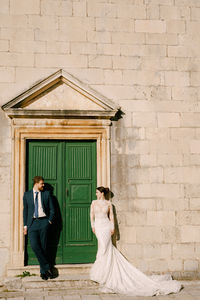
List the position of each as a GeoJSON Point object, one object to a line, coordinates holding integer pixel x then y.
{"type": "Point", "coordinates": [112, 270]}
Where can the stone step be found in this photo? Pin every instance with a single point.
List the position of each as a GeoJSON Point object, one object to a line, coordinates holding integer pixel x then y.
{"type": "Point", "coordinates": [62, 269]}
{"type": "Point", "coordinates": [39, 293]}
{"type": "Point", "coordinates": [62, 282]}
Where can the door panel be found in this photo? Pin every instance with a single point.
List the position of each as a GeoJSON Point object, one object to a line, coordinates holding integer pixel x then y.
{"type": "Point", "coordinates": [44, 159]}
{"type": "Point", "coordinates": [77, 189]}
{"type": "Point", "coordinates": [80, 244]}
{"type": "Point", "coordinates": [69, 170]}
{"type": "Point", "coordinates": [79, 231]}
{"type": "Point", "coordinates": [79, 160]}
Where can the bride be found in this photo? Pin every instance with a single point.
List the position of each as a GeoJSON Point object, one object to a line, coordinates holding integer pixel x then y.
{"type": "Point", "coordinates": [111, 269]}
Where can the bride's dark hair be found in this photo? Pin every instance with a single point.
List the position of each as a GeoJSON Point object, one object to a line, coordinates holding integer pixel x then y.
{"type": "Point", "coordinates": [104, 190]}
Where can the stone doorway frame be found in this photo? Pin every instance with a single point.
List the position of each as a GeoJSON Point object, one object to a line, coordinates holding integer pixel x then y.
{"type": "Point", "coordinates": [23, 130]}
{"type": "Point", "coordinates": [87, 124]}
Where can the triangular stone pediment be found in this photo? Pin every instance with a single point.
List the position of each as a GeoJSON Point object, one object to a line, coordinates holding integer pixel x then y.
{"type": "Point", "coordinates": [60, 95]}
{"type": "Point", "coordinates": [64, 97]}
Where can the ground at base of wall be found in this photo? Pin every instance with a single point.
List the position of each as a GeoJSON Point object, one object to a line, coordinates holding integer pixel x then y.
{"type": "Point", "coordinates": [68, 288]}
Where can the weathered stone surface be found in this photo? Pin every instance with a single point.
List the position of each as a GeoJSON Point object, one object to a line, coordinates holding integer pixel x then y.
{"type": "Point", "coordinates": [4, 223]}
{"type": "Point", "coordinates": [143, 55]}
{"type": "Point", "coordinates": [150, 26]}
{"type": "Point", "coordinates": [13, 283]}
{"type": "Point", "coordinates": [4, 258]}
{"type": "Point", "coordinates": [191, 265]}
{"type": "Point", "coordinates": [183, 251]}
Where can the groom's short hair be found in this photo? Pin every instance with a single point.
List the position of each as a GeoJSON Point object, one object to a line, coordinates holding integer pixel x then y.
{"type": "Point", "coordinates": [37, 179]}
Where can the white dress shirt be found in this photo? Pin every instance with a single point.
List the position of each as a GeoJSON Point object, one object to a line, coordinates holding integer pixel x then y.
{"type": "Point", "coordinates": [40, 209]}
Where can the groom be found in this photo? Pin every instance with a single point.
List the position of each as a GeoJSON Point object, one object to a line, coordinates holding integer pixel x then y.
{"type": "Point", "coordinates": [38, 215]}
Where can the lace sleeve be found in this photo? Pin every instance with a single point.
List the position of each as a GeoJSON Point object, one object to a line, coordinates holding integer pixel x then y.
{"type": "Point", "coordinates": [92, 214]}
{"type": "Point", "coordinates": [111, 216]}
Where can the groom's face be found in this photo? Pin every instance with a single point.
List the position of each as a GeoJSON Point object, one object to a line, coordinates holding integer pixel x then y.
{"type": "Point", "coordinates": [40, 185]}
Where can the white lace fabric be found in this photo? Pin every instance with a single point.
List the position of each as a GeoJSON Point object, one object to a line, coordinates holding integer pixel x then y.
{"type": "Point", "coordinates": [112, 270]}
{"type": "Point", "coordinates": [101, 211]}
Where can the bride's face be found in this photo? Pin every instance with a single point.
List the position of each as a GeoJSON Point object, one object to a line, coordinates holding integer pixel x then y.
{"type": "Point", "coordinates": [99, 194]}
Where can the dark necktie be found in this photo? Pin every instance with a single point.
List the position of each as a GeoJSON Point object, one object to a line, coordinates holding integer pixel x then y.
{"type": "Point", "coordinates": [36, 204]}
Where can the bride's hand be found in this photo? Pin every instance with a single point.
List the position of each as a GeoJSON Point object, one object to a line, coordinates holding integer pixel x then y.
{"type": "Point", "coordinates": [112, 232]}
{"type": "Point", "coordinates": [93, 230]}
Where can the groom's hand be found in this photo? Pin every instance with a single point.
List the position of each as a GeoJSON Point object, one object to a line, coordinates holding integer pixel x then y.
{"type": "Point", "coordinates": [25, 230]}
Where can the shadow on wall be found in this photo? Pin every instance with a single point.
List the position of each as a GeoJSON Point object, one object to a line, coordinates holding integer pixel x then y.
{"type": "Point", "coordinates": [116, 235]}
{"type": "Point", "coordinates": [55, 228]}
{"type": "Point", "coordinates": [119, 114]}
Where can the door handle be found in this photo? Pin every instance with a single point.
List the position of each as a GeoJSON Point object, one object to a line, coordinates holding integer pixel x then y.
{"type": "Point", "coordinates": [66, 192]}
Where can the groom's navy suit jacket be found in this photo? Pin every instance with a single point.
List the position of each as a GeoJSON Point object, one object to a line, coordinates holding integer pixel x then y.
{"type": "Point", "coordinates": [47, 205]}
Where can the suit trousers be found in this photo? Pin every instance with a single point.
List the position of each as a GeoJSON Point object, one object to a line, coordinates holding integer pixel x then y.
{"type": "Point", "coordinates": [37, 234]}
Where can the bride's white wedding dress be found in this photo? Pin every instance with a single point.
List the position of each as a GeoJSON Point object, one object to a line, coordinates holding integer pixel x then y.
{"type": "Point", "coordinates": [112, 270]}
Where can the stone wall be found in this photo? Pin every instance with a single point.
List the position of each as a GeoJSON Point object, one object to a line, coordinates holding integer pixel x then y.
{"type": "Point", "coordinates": [144, 55]}
{"type": "Point", "coordinates": [5, 191]}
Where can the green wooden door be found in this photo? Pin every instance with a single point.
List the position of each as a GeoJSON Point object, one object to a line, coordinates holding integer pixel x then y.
{"type": "Point", "coordinates": [69, 170]}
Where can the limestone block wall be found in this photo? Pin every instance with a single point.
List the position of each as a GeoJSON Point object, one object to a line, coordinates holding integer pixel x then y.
{"type": "Point", "coordinates": [145, 56]}
{"type": "Point", "coordinates": [5, 191]}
